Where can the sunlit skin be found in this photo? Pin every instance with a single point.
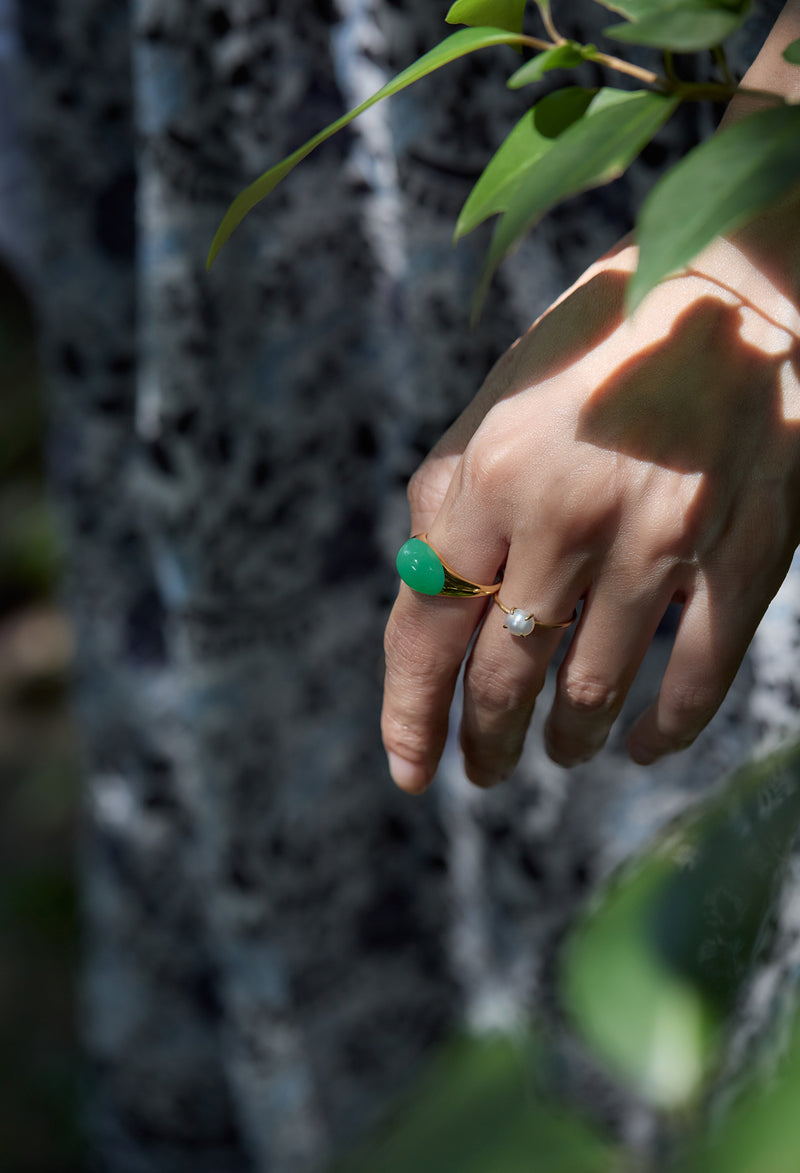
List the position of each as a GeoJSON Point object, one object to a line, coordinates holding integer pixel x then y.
{"type": "Point", "coordinates": [627, 464]}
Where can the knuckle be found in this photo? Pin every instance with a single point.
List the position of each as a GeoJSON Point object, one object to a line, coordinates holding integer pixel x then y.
{"type": "Point", "coordinates": [688, 706]}
{"type": "Point", "coordinates": [497, 693]}
{"type": "Point", "coordinates": [402, 639]}
{"type": "Point", "coordinates": [488, 465]}
{"type": "Point", "coordinates": [673, 534]}
{"type": "Point", "coordinates": [411, 659]}
{"type": "Point", "coordinates": [589, 694]}
{"type": "Point", "coordinates": [492, 693]}
{"type": "Point", "coordinates": [672, 542]}
{"type": "Point", "coordinates": [399, 641]}
{"type": "Point", "coordinates": [421, 492]}
{"type": "Point", "coordinates": [405, 738]}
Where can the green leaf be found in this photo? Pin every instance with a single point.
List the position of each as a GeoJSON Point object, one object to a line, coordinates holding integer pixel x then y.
{"type": "Point", "coordinates": [530, 139]}
{"type": "Point", "coordinates": [651, 1026]}
{"type": "Point", "coordinates": [455, 46]}
{"type": "Point", "coordinates": [792, 53]}
{"type": "Point", "coordinates": [639, 9]}
{"type": "Point", "coordinates": [553, 113]}
{"type": "Point", "coordinates": [652, 973]}
{"type": "Point", "coordinates": [758, 1131]}
{"type": "Point", "coordinates": [478, 1106]}
{"type": "Point", "coordinates": [593, 151]}
{"type": "Point", "coordinates": [501, 14]}
{"type": "Point", "coordinates": [715, 189]}
{"type": "Point", "coordinates": [562, 57]}
{"type": "Point", "coordinates": [683, 28]}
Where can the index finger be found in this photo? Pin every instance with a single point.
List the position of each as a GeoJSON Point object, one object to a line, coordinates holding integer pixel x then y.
{"type": "Point", "coordinates": [426, 641]}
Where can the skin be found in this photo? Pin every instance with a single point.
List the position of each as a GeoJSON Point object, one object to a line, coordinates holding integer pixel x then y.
{"type": "Point", "coordinates": [625, 464]}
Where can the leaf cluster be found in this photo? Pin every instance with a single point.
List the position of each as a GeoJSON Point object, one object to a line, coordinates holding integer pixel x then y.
{"type": "Point", "coordinates": [574, 138]}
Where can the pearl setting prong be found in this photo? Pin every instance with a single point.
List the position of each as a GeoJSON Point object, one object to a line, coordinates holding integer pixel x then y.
{"type": "Point", "coordinates": [520, 623]}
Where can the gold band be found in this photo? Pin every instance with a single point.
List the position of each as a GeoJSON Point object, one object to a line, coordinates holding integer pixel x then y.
{"type": "Point", "coordinates": [455, 585]}
{"type": "Point", "coordinates": [421, 567]}
{"type": "Point", "coordinates": [523, 623]}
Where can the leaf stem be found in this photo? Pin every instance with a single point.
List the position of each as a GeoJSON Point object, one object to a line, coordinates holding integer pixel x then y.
{"type": "Point", "coordinates": [534, 43]}
{"type": "Point", "coordinates": [621, 66]}
{"type": "Point", "coordinates": [687, 91]}
{"type": "Point", "coordinates": [547, 21]}
{"type": "Point", "coordinates": [615, 63]}
{"type": "Point", "coordinates": [722, 64]}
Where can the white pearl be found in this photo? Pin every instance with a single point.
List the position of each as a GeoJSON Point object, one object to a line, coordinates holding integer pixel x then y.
{"type": "Point", "coordinates": [519, 622]}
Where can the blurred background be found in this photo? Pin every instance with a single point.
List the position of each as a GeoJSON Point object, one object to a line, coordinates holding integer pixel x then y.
{"type": "Point", "coordinates": [39, 782]}
{"type": "Point", "coordinates": [650, 976]}
{"type": "Point", "coordinates": [646, 966]}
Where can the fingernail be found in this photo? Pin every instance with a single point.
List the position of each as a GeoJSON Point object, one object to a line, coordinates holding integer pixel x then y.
{"type": "Point", "coordinates": [565, 756]}
{"type": "Point", "coordinates": [483, 779]}
{"type": "Point", "coordinates": [487, 777]}
{"type": "Point", "coordinates": [642, 755]}
{"type": "Point", "coordinates": [407, 775]}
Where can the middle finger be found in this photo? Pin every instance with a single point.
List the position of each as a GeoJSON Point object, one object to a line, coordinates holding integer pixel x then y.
{"type": "Point", "coordinates": [506, 672]}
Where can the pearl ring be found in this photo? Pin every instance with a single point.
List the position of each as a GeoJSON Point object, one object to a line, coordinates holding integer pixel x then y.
{"type": "Point", "coordinates": [522, 623]}
{"type": "Point", "coordinates": [425, 571]}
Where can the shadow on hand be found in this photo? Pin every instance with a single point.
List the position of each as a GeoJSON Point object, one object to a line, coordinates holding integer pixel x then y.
{"type": "Point", "coordinates": [569, 331]}
{"type": "Point", "coordinates": [716, 397]}
{"type": "Point", "coordinates": [697, 398]}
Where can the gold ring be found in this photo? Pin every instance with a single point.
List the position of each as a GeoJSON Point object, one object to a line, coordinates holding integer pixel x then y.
{"type": "Point", "coordinates": [523, 623]}
{"type": "Point", "coordinates": [425, 571]}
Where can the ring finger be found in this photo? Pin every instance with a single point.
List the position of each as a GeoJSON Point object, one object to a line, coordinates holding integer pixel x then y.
{"type": "Point", "coordinates": [506, 672]}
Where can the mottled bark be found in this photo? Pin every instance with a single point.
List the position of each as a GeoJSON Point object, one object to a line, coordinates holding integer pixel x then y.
{"type": "Point", "coordinates": [275, 937]}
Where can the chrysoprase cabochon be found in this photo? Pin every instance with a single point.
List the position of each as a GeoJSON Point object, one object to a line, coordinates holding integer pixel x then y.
{"type": "Point", "coordinates": [420, 567]}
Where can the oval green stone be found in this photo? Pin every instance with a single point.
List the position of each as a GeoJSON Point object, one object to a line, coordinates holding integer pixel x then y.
{"type": "Point", "coordinates": [419, 567]}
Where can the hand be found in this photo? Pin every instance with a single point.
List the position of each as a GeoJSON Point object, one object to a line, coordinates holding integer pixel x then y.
{"type": "Point", "coordinates": [625, 463]}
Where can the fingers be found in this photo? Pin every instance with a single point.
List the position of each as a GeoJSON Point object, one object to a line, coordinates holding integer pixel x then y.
{"type": "Point", "coordinates": [710, 644]}
{"type": "Point", "coordinates": [615, 630]}
{"type": "Point", "coordinates": [426, 641]}
{"type": "Point", "coordinates": [504, 678]}
{"type": "Point", "coordinates": [506, 672]}
{"type": "Point", "coordinates": [428, 638]}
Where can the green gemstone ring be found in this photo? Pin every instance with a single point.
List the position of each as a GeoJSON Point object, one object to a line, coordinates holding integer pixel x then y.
{"type": "Point", "coordinates": [426, 572]}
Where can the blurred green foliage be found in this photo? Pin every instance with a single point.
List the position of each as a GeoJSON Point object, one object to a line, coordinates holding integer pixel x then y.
{"type": "Point", "coordinates": [29, 554]}
{"type": "Point", "coordinates": [28, 545]}
{"type": "Point", "coordinates": [649, 979]}
{"type": "Point", "coordinates": [653, 974]}
{"type": "Point", "coordinates": [760, 1133]}
{"type": "Point", "coordinates": [480, 1107]}
{"type": "Point", "coordinates": [39, 786]}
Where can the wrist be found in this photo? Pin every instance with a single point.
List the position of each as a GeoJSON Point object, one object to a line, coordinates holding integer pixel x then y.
{"type": "Point", "coordinates": [771, 241]}
{"type": "Point", "coordinates": [741, 268]}
{"type": "Point", "coordinates": [770, 72]}
{"type": "Point", "coordinates": [761, 264]}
